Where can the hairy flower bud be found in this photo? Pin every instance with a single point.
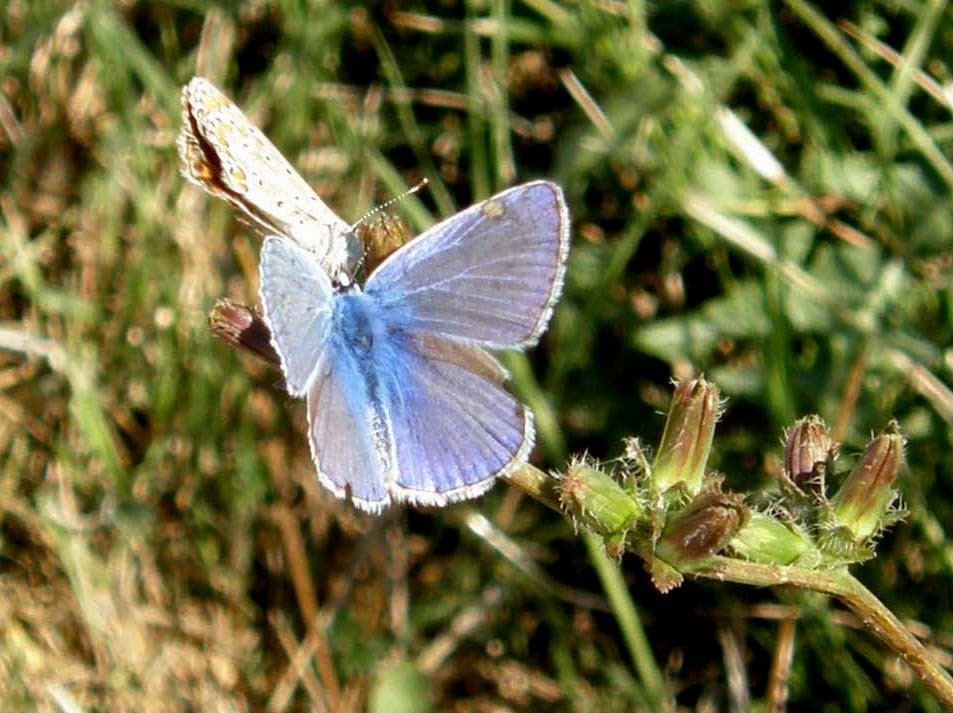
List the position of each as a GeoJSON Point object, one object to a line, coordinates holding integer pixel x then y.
{"type": "Point", "coordinates": [808, 448]}
{"type": "Point", "coordinates": [686, 442]}
{"type": "Point", "coordinates": [597, 501]}
{"type": "Point", "coordinates": [766, 540]}
{"type": "Point", "coordinates": [865, 497]}
{"type": "Point", "coordinates": [702, 529]}
{"type": "Point", "coordinates": [381, 234]}
{"type": "Point", "coordinates": [240, 327]}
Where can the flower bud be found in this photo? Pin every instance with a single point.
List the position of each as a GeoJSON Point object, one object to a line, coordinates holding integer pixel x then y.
{"type": "Point", "coordinates": [768, 541]}
{"type": "Point", "coordinates": [381, 234]}
{"type": "Point", "coordinates": [240, 327]}
{"type": "Point", "coordinates": [702, 529]}
{"type": "Point", "coordinates": [686, 442]}
{"type": "Point", "coordinates": [808, 448]}
{"type": "Point", "coordinates": [594, 499]}
{"type": "Point", "coordinates": [862, 502]}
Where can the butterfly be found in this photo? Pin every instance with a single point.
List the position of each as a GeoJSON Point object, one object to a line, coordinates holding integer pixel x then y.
{"type": "Point", "coordinates": [405, 402]}
{"type": "Point", "coordinates": [226, 155]}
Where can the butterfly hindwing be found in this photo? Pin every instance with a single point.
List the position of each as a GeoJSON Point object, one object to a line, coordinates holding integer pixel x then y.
{"type": "Point", "coordinates": [454, 427]}
{"type": "Point", "coordinates": [398, 417]}
{"type": "Point", "coordinates": [298, 304]}
{"type": "Point", "coordinates": [350, 446]}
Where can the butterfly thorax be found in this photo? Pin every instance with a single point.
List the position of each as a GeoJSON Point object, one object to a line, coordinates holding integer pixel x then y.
{"type": "Point", "coordinates": [368, 348]}
{"type": "Point", "coordinates": [359, 320]}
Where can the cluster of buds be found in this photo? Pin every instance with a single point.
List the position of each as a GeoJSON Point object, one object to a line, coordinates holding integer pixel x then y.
{"type": "Point", "coordinates": [674, 509]}
{"type": "Point", "coordinates": [807, 527]}
{"type": "Point", "coordinates": [848, 522]}
{"type": "Point", "coordinates": [675, 515]}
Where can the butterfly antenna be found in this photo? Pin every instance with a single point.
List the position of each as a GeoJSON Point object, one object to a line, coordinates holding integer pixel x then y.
{"type": "Point", "coordinates": [384, 206]}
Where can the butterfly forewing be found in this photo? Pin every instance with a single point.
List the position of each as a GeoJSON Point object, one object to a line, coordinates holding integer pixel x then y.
{"type": "Point", "coordinates": [489, 274]}
{"type": "Point", "coordinates": [225, 154]}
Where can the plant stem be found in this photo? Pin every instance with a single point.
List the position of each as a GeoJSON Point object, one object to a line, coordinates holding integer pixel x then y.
{"type": "Point", "coordinates": [629, 622]}
{"type": "Point", "coordinates": [538, 485]}
{"type": "Point", "coordinates": [874, 615]}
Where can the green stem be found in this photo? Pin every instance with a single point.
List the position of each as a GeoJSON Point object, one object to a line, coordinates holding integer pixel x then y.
{"type": "Point", "coordinates": [841, 584]}
{"type": "Point", "coordinates": [623, 608]}
{"type": "Point", "coordinates": [540, 486]}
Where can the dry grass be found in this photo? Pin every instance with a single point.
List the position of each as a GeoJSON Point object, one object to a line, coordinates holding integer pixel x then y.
{"type": "Point", "coordinates": [164, 544]}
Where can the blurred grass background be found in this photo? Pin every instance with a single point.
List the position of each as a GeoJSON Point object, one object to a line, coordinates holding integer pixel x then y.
{"type": "Point", "coordinates": [760, 192]}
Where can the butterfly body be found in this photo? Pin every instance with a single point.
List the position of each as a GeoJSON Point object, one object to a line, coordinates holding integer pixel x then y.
{"type": "Point", "coordinates": [361, 324]}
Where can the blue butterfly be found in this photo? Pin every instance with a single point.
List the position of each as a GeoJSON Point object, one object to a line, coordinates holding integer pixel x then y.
{"type": "Point", "coordinates": [405, 403]}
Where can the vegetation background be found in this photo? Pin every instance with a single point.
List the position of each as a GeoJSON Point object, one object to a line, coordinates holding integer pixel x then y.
{"type": "Point", "coordinates": [760, 192]}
